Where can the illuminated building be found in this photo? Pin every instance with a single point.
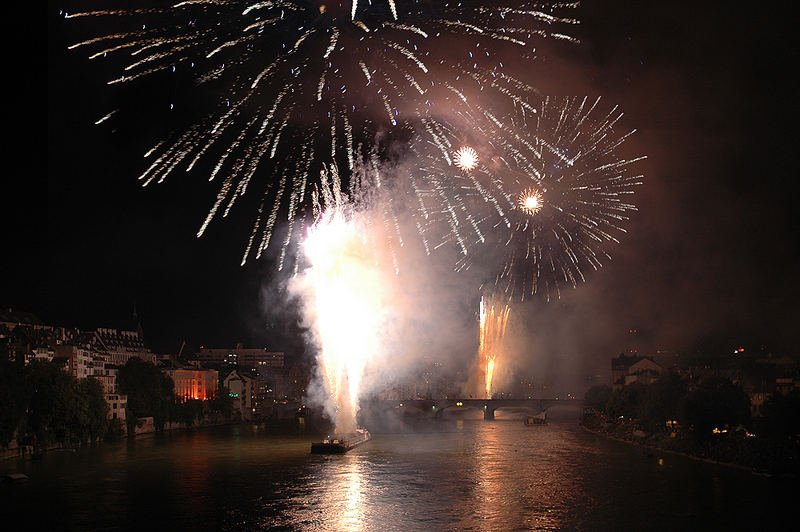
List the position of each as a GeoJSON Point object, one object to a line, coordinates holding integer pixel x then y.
{"type": "Point", "coordinates": [194, 383]}
{"type": "Point", "coordinates": [238, 356]}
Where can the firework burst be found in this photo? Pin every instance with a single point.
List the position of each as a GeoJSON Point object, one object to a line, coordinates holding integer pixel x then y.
{"type": "Point", "coordinates": [530, 201]}
{"type": "Point", "coordinates": [466, 158]}
{"type": "Point", "coordinates": [300, 84]}
{"type": "Point", "coordinates": [554, 195]}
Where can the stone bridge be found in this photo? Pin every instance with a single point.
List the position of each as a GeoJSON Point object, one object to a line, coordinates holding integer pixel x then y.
{"type": "Point", "coordinates": [488, 406]}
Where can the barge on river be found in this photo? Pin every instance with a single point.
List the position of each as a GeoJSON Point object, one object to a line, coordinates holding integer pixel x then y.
{"type": "Point", "coordinates": [538, 419]}
{"type": "Point", "coordinates": [342, 444]}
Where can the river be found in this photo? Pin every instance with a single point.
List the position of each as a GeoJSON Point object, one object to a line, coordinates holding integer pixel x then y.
{"type": "Point", "coordinates": [448, 475]}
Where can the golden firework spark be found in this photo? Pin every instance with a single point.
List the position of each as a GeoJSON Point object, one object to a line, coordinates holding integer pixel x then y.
{"type": "Point", "coordinates": [466, 158]}
{"type": "Point", "coordinates": [494, 313]}
{"type": "Point", "coordinates": [530, 201]}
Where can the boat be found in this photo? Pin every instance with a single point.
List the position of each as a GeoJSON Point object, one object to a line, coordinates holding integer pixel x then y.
{"type": "Point", "coordinates": [538, 419]}
{"type": "Point", "coordinates": [342, 444]}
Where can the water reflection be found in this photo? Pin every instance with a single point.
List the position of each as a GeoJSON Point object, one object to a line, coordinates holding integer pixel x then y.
{"type": "Point", "coordinates": [489, 486]}
{"type": "Point", "coordinates": [519, 484]}
{"type": "Point", "coordinates": [467, 475]}
{"type": "Point", "coordinates": [346, 493]}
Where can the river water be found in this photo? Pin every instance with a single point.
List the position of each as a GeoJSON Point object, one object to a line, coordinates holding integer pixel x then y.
{"type": "Point", "coordinates": [449, 475]}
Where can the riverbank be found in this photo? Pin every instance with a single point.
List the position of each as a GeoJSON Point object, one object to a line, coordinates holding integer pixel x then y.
{"type": "Point", "coordinates": [26, 452]}
{"type": "Point", "coordinates": [738, 450]}
{"type": "Point", "coordinates": [676, 453]}
{"type": "Point", "coordinates": [148, 431]}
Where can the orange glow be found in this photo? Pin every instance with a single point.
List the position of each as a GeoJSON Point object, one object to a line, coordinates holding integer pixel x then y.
{"type": "Point", "coordinates": [493, 321]}
{"type": "Point", "coordinates": [194, 384]}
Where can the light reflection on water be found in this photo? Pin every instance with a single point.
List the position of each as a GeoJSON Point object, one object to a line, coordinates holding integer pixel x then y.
{"type": "Point", "coordinates": [456, 475]}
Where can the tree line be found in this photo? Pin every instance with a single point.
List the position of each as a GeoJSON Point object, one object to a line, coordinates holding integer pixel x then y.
{"type": "Point", "coordinates": [151, 393]}
{"type": "Point", "coordinates": [711, 418]}
{"type": "Point", "coordinates": [42, 405]}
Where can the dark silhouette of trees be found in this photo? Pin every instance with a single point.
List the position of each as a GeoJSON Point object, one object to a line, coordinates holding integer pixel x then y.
{"type": "Point", "coordinates": [661, 402]}
{"type": "Point", "coordinates": [43, 405]}
{"type": "Point", "coordinates": [91, 410]}
{"type": "Point", "coordinates": [627, 401]}
{"type": "Point", "coordinates": [149, 391]}
{"type": "Point", "coordinates": [715, 403]}
{"type": "Point", "coordinates": [781, 416]}
{"type": "Point", "coordinates": [597, 397]}
{"type": "Point", "coordinates": [52, 403]}
{"type": "Point", "coordinates": [12, 397]}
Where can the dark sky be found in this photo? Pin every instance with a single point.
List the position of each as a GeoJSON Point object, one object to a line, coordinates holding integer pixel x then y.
{"type": "Point", "coordinates": [712, 257]}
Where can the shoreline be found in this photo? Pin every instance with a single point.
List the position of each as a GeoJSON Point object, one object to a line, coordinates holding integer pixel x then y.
{"type": "Point", "coordinates": [8, 455]}
{"type": "Point", "coordinates": [752, 470]}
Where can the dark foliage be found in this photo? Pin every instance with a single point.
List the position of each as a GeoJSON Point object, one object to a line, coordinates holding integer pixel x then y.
{"type": "Point", "coordinates": [149, 391]}
{"type": "Point", "coordinates": [715, 403]}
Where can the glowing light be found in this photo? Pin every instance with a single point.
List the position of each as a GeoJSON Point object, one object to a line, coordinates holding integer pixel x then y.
{"type": "Point", "coordinates": [530, 201]}
{"type": "Point", "coordinates": [348, 308]}
{"type": "Point", "coordinates": [345, 298]}
{"type": "Point", "coordinates": [494, 313]}
{"type": "Point", "coordinates": [466, 158]}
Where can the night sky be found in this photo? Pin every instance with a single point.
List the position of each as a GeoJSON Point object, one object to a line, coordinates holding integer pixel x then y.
{"type": "Point", "coordinates": [711, 259]}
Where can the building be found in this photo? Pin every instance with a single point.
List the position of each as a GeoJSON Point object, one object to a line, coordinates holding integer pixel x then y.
{"type": "Point", "coordinates": [768, 375]}
{"type": "Point", "coordinates": [117, 405]}
{"type": "Point", "coordinates": [194, 383]}
{"type": "Point", "coordinates": [120, 346]}
{"type": "Point", "coordinates": [27, 340]}
{"type": "Point", "coordinates": [84, 363]}
{"type": "Point", "coordinates": [627, 369]}
{"type": "Point", "coordinates": [645, 371]}
{"type": "Point", "coordinates": [80, 361]}
{"type": "Point", "coordinates": [11, 318]}
{"type": "Point", "coordinates": [238, 356]}
{"type": "Point", "coordinates": [243, 389]}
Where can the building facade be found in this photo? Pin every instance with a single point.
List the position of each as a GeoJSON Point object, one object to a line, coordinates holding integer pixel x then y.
{"type": "Point", "coordinates": [238, 356]}
{"type": "Point", "coordinates": [194, 383]}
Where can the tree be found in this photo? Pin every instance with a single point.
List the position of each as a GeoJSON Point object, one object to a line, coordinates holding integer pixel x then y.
{"type": "Point", "coordinates": [91, 410]}
{"type": "Point", "coordinates": [781, 416]}
{"type": "Point", "coordinates": [189, 411]}
{"type": "Point", "coordinates": [661, 401]}
{"type": "Point", "coordinates": [626, 401]}
{"type": "Point", "coordinates": [716, 402]}
{"type": "Point", "coordinates": [149, 391]}
{"type": "Point", "coordinates": [597, 397]}
{"type": "Point", "coordinates": [13, 400]}
{"type": "Point", "coordinates": [51, 402]}
{"type": "Point", "coordinates": [222, 403]}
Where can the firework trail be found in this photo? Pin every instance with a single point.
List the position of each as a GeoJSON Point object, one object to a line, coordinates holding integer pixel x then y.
{"type": "Point", "coordinates": [553, 193]}
{"type": "Point", "coordinates": [300, 84]}
{"type": "Point", "coordinates": [494, 313]}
